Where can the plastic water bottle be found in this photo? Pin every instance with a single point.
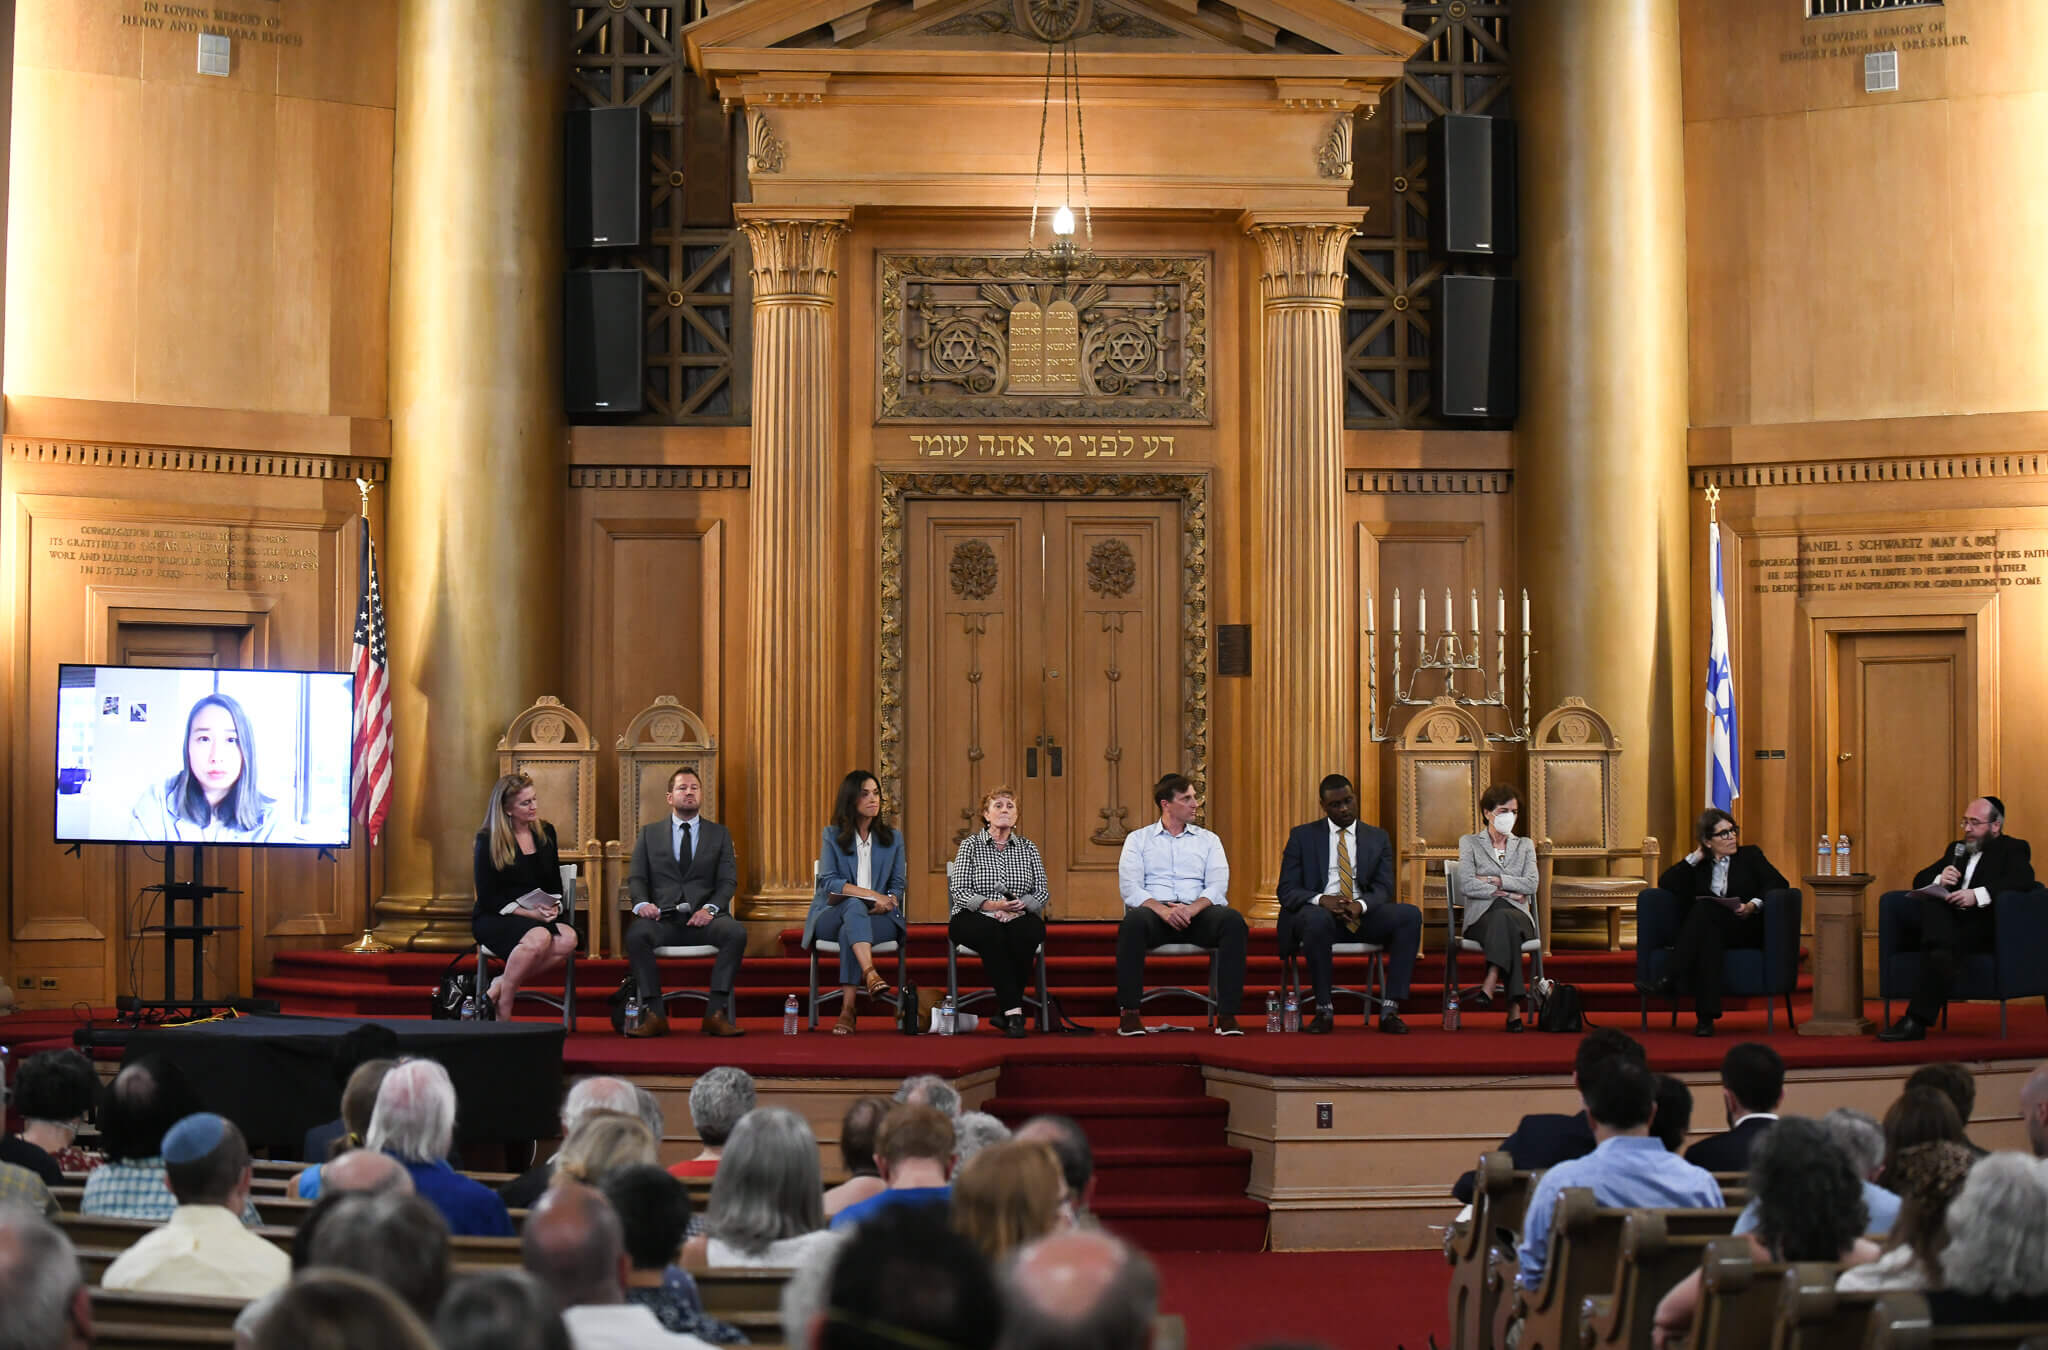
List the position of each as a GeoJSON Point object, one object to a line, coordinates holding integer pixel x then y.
{"type": "Point", "coordinates": [1450, 1009]}
{"type": "Point", "coordinates": [1272, 1014]}
{"type": "Point", "coordinates": [949, 1016]}
{"type": "Point", "coordinates": [633, 1013]}
{"type": "Point", "coordinates": [469, 1007]}
{"type": "Point", "coordinates": [1293, 1011]}
{"type": "Point", "coordinates": [1824, 858]}
{"type": "Point", "coordinates": [1842, 868]}
{"type": "Point", "coordinates": [789, 1016]}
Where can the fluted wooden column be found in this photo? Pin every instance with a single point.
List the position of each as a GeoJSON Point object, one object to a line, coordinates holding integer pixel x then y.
{"type": "Point", "coordinates": [1600, 474]}
{"type": "Point", "coordinates": [1299, 664]}
{"type": "Point", "coordinates": [472, 570]}
{"type": "Point", "coordinates": [792, 667]}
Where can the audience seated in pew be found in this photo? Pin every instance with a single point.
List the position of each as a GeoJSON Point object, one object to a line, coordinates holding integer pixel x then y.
{"type": "Point", "coordinates": [47, 1306]}
{"type": "Point", "coordinates": [1076, 1288]}
{"type": "Point", "coordinates": [1810, 1207]}
{"type": "Point", "coordinates": [500, 1310]}
{"type": "Point", "coordinates": [2034, 1110]}
{"type": "Point", "coordinates": [363, 1044]}
{"type": "Point", "coordinates": [1927, 1178]}
{"type": "Point", "coordinates": [575, 1246]}
{"type": "Point", "coordinates": [767, 1206]}
{"type": "Point", "coordinates": [1955, 1082]}
{"type": "Point", "coordinates": [1995, 1266]}
{"type": "Point", "coordinates": [340, 1310]}
{"type": "Point", "coordinates": [914, 1150]}
{"type": "Point", "coordinates": [1007, 1196]}
{"type": "Point", "coordinates": [602, 1144]}
{"type": "Point", "coordinates": [1752, 1085]}
{"type": "Point", "coordinates": [902, 1279]}
{"type": "Point", "coordinates": [358, 1104]}
{"type": "Point", "coordinates": [1673, 1117]}
{"type": "Point", "coordinates": [148, 1097]}
{"type": "Point", "coordinates": [1861, 1141]}
{"type": "Point", "coordinates": [203, 1247]}
{"type": "Point", "coordinates": [415, 1122]}
{"type": "Point", "coordinates": [1069, 1143]}
{"type": "Point", "coordinates": [719, 1100]}
{"type": "Point", "coordinates": [1544, 1140]}
{"type": "Point", "coordinates": [357, 1172]}
{"type": "Point", "coordinates": [587, 1096]}
{"type": "Point", "coordinates": [654, 1214]}
{"type": "Point", "coordinates": [973, 1132]}
{"type": "Point", "coordinates": [928, 1089]}
{"type": "Point", "coordinates": [53, 1094]}
{"type": "Point", "coordinates": [1921, 1115]}
{"type": "Point", "coordinates": [1626, 1169]}
{"type": "Point", "coordinates": [857, 1148]}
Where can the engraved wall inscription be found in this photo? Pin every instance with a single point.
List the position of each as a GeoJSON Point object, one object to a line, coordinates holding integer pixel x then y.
{"type": "Point", "coordinates": [1817, 564]}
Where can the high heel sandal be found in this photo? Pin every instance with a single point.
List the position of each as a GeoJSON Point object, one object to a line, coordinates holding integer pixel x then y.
{"type": "Point", "coordinates": [849, 1018]}
{"type": "Point", "coordinates": [876, 986]}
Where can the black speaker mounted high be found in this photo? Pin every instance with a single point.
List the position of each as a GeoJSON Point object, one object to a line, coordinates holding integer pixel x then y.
{"type": "Point", "coordinates": [604, 173]}
{"type": "Point", "coordinates": [1472, 186]}
{"type": "Point", "coordinates": [603, 325]}
{"type": "Point", "coordinates": [1474, 349]}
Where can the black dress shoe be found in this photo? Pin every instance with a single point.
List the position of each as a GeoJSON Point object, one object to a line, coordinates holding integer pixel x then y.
{"type": "Point", "coordinates": [1907, 1028]}
{"type": "Point", "coordinates": [1703, 1029]}
{"type": "Point", "coordinates": [1322, 1024]}
{"type": "Point", "coordinates": [1014, 1027]}
{"type": "Point", "coordinates": [1392, 1025]}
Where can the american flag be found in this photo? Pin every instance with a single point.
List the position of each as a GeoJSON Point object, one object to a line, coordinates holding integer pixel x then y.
{"type": "Point", "coordinates": [372, 799]}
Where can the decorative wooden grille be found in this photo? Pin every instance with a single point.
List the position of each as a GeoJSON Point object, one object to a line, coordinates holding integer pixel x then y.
{"type": "Point", "coordinates": [695, 262]}
{"type": "Point", "coordinates": [1389, 274]}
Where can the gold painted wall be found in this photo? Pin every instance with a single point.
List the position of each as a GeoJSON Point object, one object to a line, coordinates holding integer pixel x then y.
{"type": "Point", "coordinates": [1869, 362]}
{"type": "Point", "coordinates": [196, 317]}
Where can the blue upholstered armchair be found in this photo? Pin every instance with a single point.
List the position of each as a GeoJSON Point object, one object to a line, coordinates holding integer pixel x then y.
{"type": "Point", "coordinates": [1769, 972]}
{"type": "Point", "coordinates": [2015, 967]}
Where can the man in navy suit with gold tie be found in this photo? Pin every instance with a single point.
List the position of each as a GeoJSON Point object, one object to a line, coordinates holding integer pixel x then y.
{"type": "Point", "coordinates": [1337, 885]}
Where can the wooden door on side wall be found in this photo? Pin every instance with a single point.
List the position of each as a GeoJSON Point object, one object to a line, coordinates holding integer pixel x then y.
{"type": "Point", "coordinates": [1906, 756]}
{"type": "Point", "coordinates": [1043, 654]}
{"type": "Point", "coordinates": [195, 646]}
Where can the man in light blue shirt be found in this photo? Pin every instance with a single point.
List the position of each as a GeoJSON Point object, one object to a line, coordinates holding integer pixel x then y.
{"type": "Point", "coordinates": [1627, 1169]}
{"type": "Point", "coordinates": [1175, 883]}
{"type": "Point", "coordinates": [1861, 1138]}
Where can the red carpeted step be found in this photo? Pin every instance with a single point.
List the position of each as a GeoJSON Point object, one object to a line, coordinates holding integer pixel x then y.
{"type": "Point", "coordinates": [1126, 1122]}
{"type": "Point", "coordinates": [1022, 1080]}
{"type": "Point", "coordinates": [1154, 1171]}
{"type": "Point", "coordinates": [1186, 1223]}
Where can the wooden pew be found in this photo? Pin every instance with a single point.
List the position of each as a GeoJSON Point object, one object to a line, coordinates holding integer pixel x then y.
{"type": "Point", "coordinates": [1738, 1297]}
{"type": "Point", "coordinates": [1814, 1315]}
{"type": "Point", "coordinates": [1481, 1250]}
{"type": "Point", "coordinates": [96, 1230]}
{"type": "Point", "coordinates": [1904, 1322]}
{"type": "Point", "coordinates": [469, 1254]}
{"type": "Point", "coordinates": [1583, 1257]}
{"type": "Point", "coordinates": [123, 1319]}
{"type": "Point", "coordinates": [1653, 1259]}
{"type": "Point", "coordinates": [749, 1299]}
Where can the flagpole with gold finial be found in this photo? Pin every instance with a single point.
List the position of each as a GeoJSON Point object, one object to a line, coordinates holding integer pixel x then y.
{"type": "Point", "coordinates": [367, 944]}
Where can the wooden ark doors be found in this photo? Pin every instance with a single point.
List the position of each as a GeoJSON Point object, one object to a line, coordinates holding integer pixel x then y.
{"type": "Point", "coordinates": [1043, 653]}
{"type": "Point", "coordinates": [1905, 755]}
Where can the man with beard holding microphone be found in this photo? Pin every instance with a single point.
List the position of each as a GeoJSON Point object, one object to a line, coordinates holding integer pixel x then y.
{"type": "Point", "coordinates": [1950, 908]}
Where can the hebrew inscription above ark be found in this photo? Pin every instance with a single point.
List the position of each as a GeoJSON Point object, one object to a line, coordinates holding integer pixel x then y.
{"type": "Point", "coordinates": [992, 336]}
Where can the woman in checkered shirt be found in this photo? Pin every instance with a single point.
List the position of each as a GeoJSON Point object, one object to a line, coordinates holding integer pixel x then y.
{"type": "Point", "coordinates": [999, 894]}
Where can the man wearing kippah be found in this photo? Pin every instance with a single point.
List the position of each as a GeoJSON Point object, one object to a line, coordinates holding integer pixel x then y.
{"type": "Point", "coordinates": [204, 1248]}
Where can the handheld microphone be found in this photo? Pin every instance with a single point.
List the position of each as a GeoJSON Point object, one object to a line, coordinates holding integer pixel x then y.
{"type": "Point", "coordinates": [1960, 851]}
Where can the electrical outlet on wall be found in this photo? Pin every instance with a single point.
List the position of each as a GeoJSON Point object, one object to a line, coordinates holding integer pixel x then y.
{"type": "Point", "coordinates": [47, 982]}
{"type": "Point", "coordinates": [1325, 1115]}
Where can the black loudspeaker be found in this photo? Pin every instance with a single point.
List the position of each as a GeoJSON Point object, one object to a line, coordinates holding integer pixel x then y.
{"type": "Point", "coordinates": [602, 327]}
{"type": "Point", "coordinates": [604, 165]}
{"type": "Point", "coordinates": [1472, 186]}
{"type": "Point", "coordinates": [1474, 351]}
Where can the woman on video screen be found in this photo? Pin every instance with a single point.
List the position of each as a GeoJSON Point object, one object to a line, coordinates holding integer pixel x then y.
{"type": "Point", "coordinates": [212, 799]}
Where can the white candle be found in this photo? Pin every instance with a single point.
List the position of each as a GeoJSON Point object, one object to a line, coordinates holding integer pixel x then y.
{"type": "Point", "coordinates": [1501, 597]}
{"type": "Point", "coordinates": [1423, 622]}
{"type": "Point", "coordinates": [1397, 613]}
{"type": "Point", "coordinates": [1368, 611]}
{"type": "Point", "coordinates": [1525, 612]}
{"type": "Point", "coordinates": [1475, 618]}
{"type": "Point", "coordinates": [1450, 616]}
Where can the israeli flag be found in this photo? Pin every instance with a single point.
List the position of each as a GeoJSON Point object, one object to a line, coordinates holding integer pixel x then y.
{"type": "Point", "coordinates": [1724, 770]}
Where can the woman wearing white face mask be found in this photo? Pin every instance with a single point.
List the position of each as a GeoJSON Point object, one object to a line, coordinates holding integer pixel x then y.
{"type": "Point", "coordinates": [1497, 876]}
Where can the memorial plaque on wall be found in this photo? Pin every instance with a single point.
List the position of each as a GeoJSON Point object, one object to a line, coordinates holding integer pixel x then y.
{"type": "Point", "coordinates": [1004, 336]}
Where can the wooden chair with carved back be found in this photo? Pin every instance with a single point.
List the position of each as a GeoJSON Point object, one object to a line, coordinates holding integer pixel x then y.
{"type": "Point", "coordinates": [663, 737]}
{"type": "Point", "coordinates": [551, 745]}
{"type": "Point", "coordinates": [1575, 818]}
{"type": "Point", "coordinates": [1442, 763]}
{"type": "Point", "coordinates": [1481, 1250]}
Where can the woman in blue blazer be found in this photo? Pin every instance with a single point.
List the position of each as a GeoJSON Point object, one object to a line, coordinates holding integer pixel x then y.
{"type": "Point", "coordinates": [863, 873]}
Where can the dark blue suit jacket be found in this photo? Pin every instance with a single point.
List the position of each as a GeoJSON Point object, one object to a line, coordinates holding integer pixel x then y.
{"type": "Point", "coordinates": [1728, 1151]}
{"type": "Point", "coordinates": [1538, 1142]}
{"type": "Point", "coordinates": [1306, 862]}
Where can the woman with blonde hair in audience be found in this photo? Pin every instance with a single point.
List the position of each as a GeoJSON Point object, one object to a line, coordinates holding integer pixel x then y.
{"type": "Point", "coordinates": [358, 1104]}
{"type": "Point", "coordinates": [1810, 1207]}
{"type": "Point", "coordinates": [601, 1143]}
{"type": "Point", "coordinates": [1926, 1178]}
{"type": "Point", "coordinates": [1008, 1195]}
{"type": "Point", "coordinates": [767, 1204]}
{"type": "Point", "coordinates": [1995, 1267]}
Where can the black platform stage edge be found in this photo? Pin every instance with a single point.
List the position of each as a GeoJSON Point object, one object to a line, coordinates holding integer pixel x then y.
{"type": "Point", "coordinates": [274, 1076]}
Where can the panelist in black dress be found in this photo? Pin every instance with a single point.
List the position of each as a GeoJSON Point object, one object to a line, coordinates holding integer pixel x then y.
{"type": "Point", "coordinates": [1719, 867]}
{"type": "Point", "coordinates": [515, 856]}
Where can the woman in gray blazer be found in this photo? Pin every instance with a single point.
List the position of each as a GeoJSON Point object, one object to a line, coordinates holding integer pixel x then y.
{"type": "Point", "coordinates": [1497, 876]}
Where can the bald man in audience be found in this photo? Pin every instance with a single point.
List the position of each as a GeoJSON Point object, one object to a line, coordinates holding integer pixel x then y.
{"type": "Point", "coordinates": [361, 1170]}
{"type": "Point", "coordinates": [2034, 1107]}
{"type": "Point", "coordinates": [1080, 1287]}
{"type": "Point", "coordinates": [47, 1305]}
{"type": "Point", "coordinates": [203, 1248]}
{"type": "Point", "coordinates": [575, 1245]}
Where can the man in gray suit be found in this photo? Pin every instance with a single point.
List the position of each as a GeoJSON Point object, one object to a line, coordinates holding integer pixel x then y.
{"type": "Point", "coordinates": [682, 880]}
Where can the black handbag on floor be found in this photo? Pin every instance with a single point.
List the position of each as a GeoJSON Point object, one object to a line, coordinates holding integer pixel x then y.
{"type": "Point", "coordinates": [1561, 1010]}
{"type": "Point", "coordinates": [906, 1010]}
{"type": "Point", "coordinates": [458, 982]}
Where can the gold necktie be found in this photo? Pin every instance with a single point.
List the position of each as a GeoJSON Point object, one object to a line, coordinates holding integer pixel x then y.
{"type": "Point", "coordinates": [1345, 877]}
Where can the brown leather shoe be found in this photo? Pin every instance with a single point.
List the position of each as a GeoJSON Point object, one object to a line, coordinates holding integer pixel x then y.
{"type": "Point", "coordinates": [652, 1024]}
{"type": "Point", "coordinates": [718, 1024]}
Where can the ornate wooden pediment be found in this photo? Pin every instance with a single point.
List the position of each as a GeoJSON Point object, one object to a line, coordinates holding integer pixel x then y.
{"type": "Point", "coordinates": [938, 102]}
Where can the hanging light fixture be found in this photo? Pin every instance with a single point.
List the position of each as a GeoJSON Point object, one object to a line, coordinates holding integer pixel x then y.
{"type": "Point", "coordinates": [1058, 24]}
